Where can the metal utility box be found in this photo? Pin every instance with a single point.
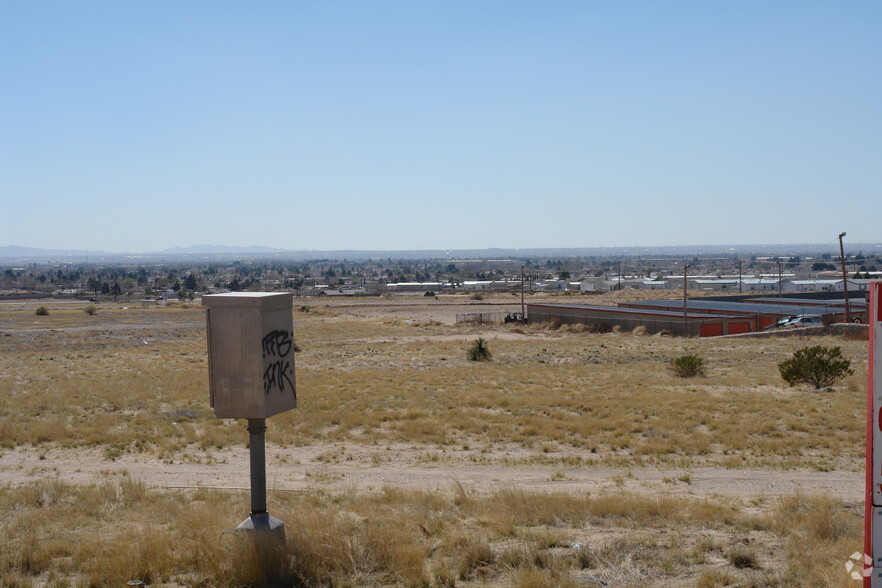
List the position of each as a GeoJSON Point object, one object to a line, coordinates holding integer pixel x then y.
{"type": "Point", "coordinates": [250, 354]}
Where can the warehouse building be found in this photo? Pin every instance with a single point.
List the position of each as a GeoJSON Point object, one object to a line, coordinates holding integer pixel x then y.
{"type": "Point", "coordinates": [653, 320]}
{"type": "Point", "coordinates": [702, 317]}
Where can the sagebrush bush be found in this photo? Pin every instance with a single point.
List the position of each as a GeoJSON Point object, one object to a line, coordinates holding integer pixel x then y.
{"type": "Point", "coordinates": [688, 366]}
{"type": "Point", "coordinates": [742, 557]}
{"type": "Point", "coordinates": [818, 365]}
{"type": "Point", "coordinates": [479, 351]}
{"type": "Point", "coordinates": [41, 311]}
{"type": "Point", "coordinates": [90, 310]}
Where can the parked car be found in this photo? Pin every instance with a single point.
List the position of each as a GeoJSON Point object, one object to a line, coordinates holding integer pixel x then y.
{"type": "Point", "coordinates": [782, 322]}
{"type": "Point", "coordinates": [805, 321]}
{"type": "Point", "coordinates": [793, 322]}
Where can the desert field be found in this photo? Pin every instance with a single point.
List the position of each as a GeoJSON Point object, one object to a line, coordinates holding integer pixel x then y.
{"type": "Point", "coordinates": [570, 459]}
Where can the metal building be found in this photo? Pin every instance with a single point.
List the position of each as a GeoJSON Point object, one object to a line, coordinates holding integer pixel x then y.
{"type": "Point", "coordinates": [654, 320]}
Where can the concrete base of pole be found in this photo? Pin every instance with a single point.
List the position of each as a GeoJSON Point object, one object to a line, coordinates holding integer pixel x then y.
{"type": "Point", "coordinates": [268, 536]}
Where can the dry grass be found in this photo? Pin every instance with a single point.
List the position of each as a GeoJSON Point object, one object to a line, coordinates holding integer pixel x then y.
{"type": "Point", "coordinates": [134, 381]}
{"type": "Point", "coordinates": [117, 530]}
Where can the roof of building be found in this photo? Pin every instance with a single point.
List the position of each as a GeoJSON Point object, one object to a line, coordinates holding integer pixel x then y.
{"type": "Point", "coordinates": [712, 281]}
{"type": "Point", "coordinates": [415, 284]}
{"type": "Point", "coordinates": [836, 302]}
{"type": "Point", "coordinates": [631, 311]}
{"type": "Point", "coordinates": [733, 307]}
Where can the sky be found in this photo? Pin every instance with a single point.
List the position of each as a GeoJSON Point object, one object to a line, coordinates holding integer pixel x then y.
{"type": "Point", "coordinates": [400, 125]}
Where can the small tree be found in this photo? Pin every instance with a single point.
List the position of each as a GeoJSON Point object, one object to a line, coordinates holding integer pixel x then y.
{"type": "Point", "coordinates": [688, 366]}
{"type": "Point", "coordinates": [817, 365]}
{"type": "Point", "coordinates": [479, 351]}
{"type": "Point", "coordinates": [90, 310]}
{"type": "Point", "coordinates": [41, 311]}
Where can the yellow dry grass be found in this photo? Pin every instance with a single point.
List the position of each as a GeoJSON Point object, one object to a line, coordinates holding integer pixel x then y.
{"type": "Point", "coordinates": [117, 530]}
{"type": "Point", "coordinates": [134, 380]}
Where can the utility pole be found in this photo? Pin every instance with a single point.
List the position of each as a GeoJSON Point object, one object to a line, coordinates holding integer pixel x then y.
{"type": "Point", "coordinates": [844, 276]}
{"type": "Point", "coordinates": [685, 307]}
{"type": "Point", "coordinates": [780, 278]}
{"type": "Point", "coordinates": [739, 277]}
{"type": "Point", "coordinates": [523, 314]}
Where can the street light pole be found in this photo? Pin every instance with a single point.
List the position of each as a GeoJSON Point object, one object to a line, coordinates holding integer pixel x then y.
{"type": "Point", "coordinates": [685, 308]}
{"type": "Point", "coordinates": [844, 276]}
{"type": "Point", "coordinates": [739, 277]}
{"type": "Point", "coordinates": [780, 278]}
{"type": "Point", "coordinates": [523, 315]}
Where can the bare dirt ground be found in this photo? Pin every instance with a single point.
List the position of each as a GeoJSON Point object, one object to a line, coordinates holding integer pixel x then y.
{"type": "Point", "coordinates": [229, 469]}
{"type": "Point", "coordinates": [445, 308]}
{"type": "Point", "coordinates": [297, 469]}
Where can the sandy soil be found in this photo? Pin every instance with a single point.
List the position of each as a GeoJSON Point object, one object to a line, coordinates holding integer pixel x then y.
{"type": "Point", "coordinates": [445, 308]}
{"type": "Point", "coordinates": [296, 469]}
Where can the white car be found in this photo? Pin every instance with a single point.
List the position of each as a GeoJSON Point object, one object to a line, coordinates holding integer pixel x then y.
{"type": "Point", "coordinates": [805, 321]}
{"type": "Point", "coordinates": [792, 322]}
{"type": "Point", "coordinates": [782, 322]}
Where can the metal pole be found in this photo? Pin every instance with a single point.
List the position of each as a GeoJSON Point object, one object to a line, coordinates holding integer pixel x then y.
{"type": "Point", "coordinates": [685, 307]}
{"type": "Point", "coordinates": [780, 278]}
{"type": "Point", "coordinates": [739, 277]}
{"type": "Point", "coordinates": [257, 450]}
{"type": "Point", "coordinates": [523, 314]}
{"type": "Point", "coordinates": [844, 276]}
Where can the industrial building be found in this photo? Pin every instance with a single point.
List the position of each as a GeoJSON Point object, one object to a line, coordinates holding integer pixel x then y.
{"type": "Point", "coordinates": [700, 318]}
{"type": "Point", "coordinates": [654, 320]}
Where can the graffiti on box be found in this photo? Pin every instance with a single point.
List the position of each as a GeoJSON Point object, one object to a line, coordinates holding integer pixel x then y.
{"type": "Point", "coordinates": [278, 371]}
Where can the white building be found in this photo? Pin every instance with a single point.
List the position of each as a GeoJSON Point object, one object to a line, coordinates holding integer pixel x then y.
{"type": "Point", "coordinates": [810, 285]}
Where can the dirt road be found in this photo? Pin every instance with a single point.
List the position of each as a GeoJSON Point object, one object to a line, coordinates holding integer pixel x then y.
{"type": "Point", "coordinates": [299, 469]}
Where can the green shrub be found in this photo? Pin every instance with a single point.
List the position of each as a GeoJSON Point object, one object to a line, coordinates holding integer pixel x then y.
{"type": "Point", "coordinates": [817, 365]}
{"type": "Point", "coordinates": [477, 296]}
{"type": "Point", "coordinates": [479, 351]}
{"type": "Point", "coordinates": [41, 311]}
{"type": "Point", "coordinates": [688, 366]}
{"type": "Point", "coordinates": [90, 310]}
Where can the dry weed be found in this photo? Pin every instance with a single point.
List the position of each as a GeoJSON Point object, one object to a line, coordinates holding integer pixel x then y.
{"type": "Point", "coordinates": [135, 381]}
{"type": "Point", "coordinates": [117, 531]}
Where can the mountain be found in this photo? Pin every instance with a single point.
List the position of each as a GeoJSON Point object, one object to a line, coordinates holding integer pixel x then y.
{"type": "Point", "coordinates": [217, 250]}
{"type": "Point", "coordinates": [207, 253]}
{"type": "Point", "coordinates": [16, 252]}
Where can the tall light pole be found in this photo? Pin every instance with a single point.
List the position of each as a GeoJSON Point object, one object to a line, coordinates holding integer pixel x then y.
{"type": "Point", "coordinates": [739, 277]}
{"type": "Point", "coordinates": [523, 315]}
{"type": "Point", "coordinates": [780, 278]}
{"type": "Point", "coordinates": [844, 276]}
{"type": "Point", "coordinates": [685, 308]}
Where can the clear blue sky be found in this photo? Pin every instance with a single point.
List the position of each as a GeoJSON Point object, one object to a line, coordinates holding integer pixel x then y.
{"type": "Point", "coordinates": [136, 126]}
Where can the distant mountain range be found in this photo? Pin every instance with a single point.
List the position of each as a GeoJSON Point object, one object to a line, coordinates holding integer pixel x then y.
{"type": "Point", "coordinates": [215, 250]}
{"type": "Point", "coordinates": [17, 254]}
